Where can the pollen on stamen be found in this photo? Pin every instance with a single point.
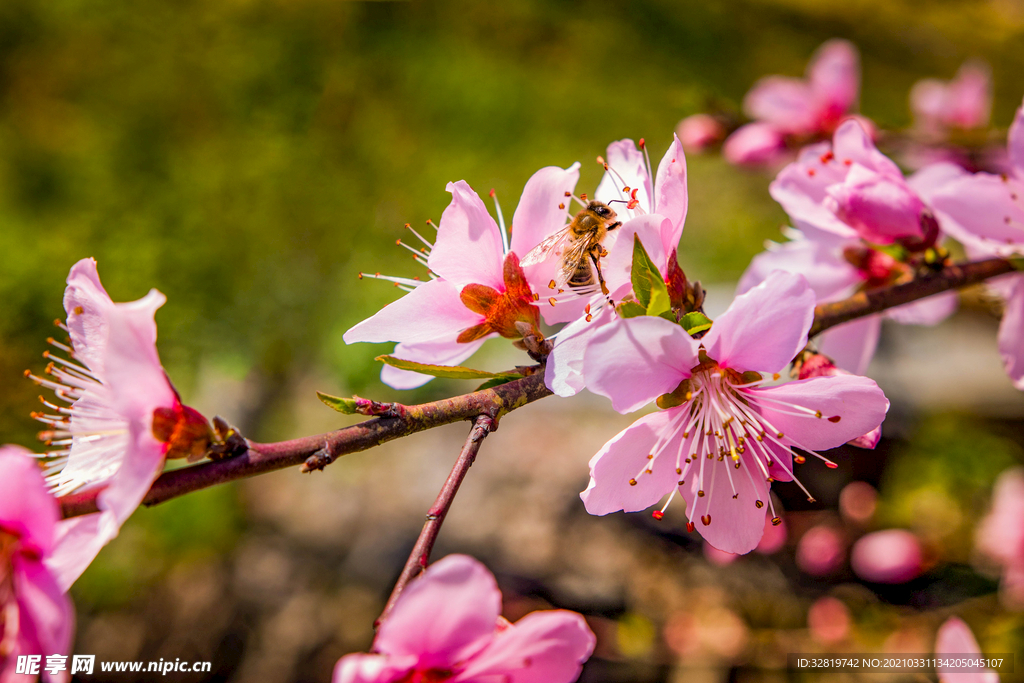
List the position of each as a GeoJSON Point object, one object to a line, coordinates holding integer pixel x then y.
{"type": "Point", "coordinates": [79, 310]}
{"type": "Point", "coordinates": [583, 196]}
{"type": "Point", "coordinates": [776, 521]}
{"type": "Point", "coordinates": [831, 465]}
{"type": "Point", "coordinates": [679, 470]}
{"type": "Point", "coordinates": [759, 504]}
{"type": "Point", "coordinates": [658, 515]}
{"type": "Point", "coordinates": [799, 459]}
{"type": "Point", "coordinates": [706, 520]}
{"type": "Point", "coordinates": [552, 284]}
{"type": "Point", "coordinates": [562, 205]}
{"type": "Point", "coordinates": [690, 527]}
{"type": "Point", "coordinates": [536, 297]}
{"type": "Point", "coordinates": [700, 493]}
{"type": "Point", "coordinates": [552, 301]}
{"type": "Point", "coordinates": [835, 418]}
{"type": "Point", "coordinates": [632, 482]}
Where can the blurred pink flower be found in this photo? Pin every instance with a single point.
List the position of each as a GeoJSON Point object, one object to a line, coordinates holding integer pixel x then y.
{"type": "Point", "coordinates": [723, 436]}
{"type": "Point", "coordinates": [857, 502]}
{"type": "Point", "coordinates": [821, 550]}
{"type": "Point", "coordinates": [889, 556]}
{"type": "Point", "coordinates": [446, 626]}
{"type": "Point", "coordinates": [828, 620]}
{"type": "Point", "coordinates": [699, 132]}
{"type": "Point", "coordinates": [808, 108]}
{"type": "Point", "coordinates": [36, 616]}
{"type": "Point", "coordinates": [964, 102]}
{"type": "Point", "coordinates": [774, 537]}
{"type": "Point", "coordinates": [955, 639]}
{"type": "Point", "coordinates": [1000, 535]}
{"type": "Point", "coordinates": [655, 211]}
{"type": "Point", "coordinates": [124, 416]}
{"type": "Point", "coordinates": [984, 212]}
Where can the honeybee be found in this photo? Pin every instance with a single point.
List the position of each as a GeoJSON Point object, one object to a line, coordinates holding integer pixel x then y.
{"type": "Point", "coordinates": [578, 245]}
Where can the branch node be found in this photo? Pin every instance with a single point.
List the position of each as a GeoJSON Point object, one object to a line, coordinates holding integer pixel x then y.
{"type": "Point", "coordinates": [320, 459]}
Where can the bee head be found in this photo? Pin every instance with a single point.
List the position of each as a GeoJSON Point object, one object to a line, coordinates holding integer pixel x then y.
{"type": "Point", "coordinates": [601, 209]}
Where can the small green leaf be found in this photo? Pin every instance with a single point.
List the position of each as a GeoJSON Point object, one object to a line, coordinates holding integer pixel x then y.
{"type": "Point", "coordinates": [631, 309]}
{"type": "Point", "coordinates": [448, 371]}
{"type": "Point", "coordinates": [497, 381]}
{"type": "Point", "coordinates": [644, 274]}
{"type": "Point", "coordinates": [695, 322]}
{"type": "Point", "coordinates": [346, 406]}
{"type": "Point", "coordinates": [1017, 262]}
{"type": "Point", "coordinates": [660, 303]}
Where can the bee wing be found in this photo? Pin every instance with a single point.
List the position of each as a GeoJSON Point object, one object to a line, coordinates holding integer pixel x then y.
{"type": "Point", "coordinates": [555, 243]}
{"type": "Point", "coordinates": [574, 257]}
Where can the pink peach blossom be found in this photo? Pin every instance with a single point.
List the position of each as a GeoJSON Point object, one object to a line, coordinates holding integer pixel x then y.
{"type": "Point", "coordinates": [964, 102]}
{"type": "Point", "coordinates": [122, 410]}
{"type": "Point", "coordinates": [821, 550]}
{"type": "Point", "coordinates": [446, 626]}
{"type": "Point", "coordinates": [700, 132]}
{"type": "Point", "coordinates": [955, 640]}
{"type": "Point", "coordinates": [984, 212]}
{"type": "Point", "coordinates": [789, 107]}
{"type": "Point", "coordinates": [889, 556]}
{"type": "Point", "coordinates": [36, 616]}
{"type": "Point", "coordinates": [1000, 535]}
{"type": "Point", "coordinates": [723, 437]}
{"type": "Point", "coordinates": [828, 620]}
{"type": "Point", "coordinates": [652, 208]}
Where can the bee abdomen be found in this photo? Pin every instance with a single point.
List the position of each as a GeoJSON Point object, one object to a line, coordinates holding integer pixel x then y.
{"type": "Point", "coordinates": [582, 277]}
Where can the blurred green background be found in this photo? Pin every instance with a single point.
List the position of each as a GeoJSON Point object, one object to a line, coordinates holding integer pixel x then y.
{"type": "Point", "coordinates": [249, 157]}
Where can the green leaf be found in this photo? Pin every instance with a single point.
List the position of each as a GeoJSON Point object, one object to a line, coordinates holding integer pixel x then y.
{"type": "Point", "coordinates": [695, 322]}
{"type": "Point", "coordinates": [448, 371]}
{"type": "Point", "coordinates": [660, 303]}
{"type": "Point", "coordinates": [644, 274]}
{"type": "Point", "coordinates": [1017, 262]}
{"type": "Point", "coordinates": [497, 381]}
{"type": "Point", "coordinates": [342, 405]}
{"type": "Point", "coordinates": [631, 309]}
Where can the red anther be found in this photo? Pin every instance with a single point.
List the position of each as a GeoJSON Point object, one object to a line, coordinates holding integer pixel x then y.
{"type": "Point", "coordinates": [799, 459]}
{"type": "Point", "coordinates": [552, 301]}
{"type": "Point", "coordinates": [626, 189]}
{"type": "Point", "coordinates": [705, 520]}
{"type": "Point", "coordinates": [360, 276]}
{"type": "Point", "coordinates": [57, 322]}
{"type": "Point", "coordinates": [398, 242]}
{"type": "Point", "coordinates": [810, 172]}
{"type": "Point", "coordinates": [589, 317]}
{"type": "Point", "coordinates": [562, 205]}
{"type": "Point", "coordinates": [408, 226]}
{"type": "Point", "coordinates": [632, 194]}
{"type": "Point", "coordinates": [827, 157]}
{"type": "Point", "coordinates": [847, 162]}
{"type": "Point", "coordinates": [759, 504]}
{"type": "Point", "coordinates": [776, 521]}
{"type": "Point", "coordinates": [642, 143]}
{"type": "Point", "coordinates": [831, 465]}
{"type": "Point", "coordinates": [658, 515]}
{"type": "Point", "coordinates": [690, 527]}
{"type": "Point", "coordinates": [28, 373]}
{"type": "Point", "coordinates": [415, 277]}
{"type": "Point", "coordinates": [46, 354]}
{"type": "Point", "coordinates": [568, 194]}
{"type": "Point", "coordinates": [492, 192]}
{"type": "Point", "coordinates": [583, 196]}
{"type": "Point", "coordinates": [552, 284]}
{"type": "Point", "coordinates": [600, 160]}
{"type": "Point", "coordinates": [835, 418]}
{"type": "Point", "coordinates": [536, 297]}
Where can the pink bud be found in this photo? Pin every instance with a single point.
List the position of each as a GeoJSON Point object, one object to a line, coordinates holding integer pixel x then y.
{"type": "Point", "coordinates": [821, 551]}
{"type": "Point", "coordinates": [699, 132]}
{"type": "Point", "coordinates": [755, 144]}
{"type": "Point", "coordinates": [890, 556]}
{"type": "Point", "coordinates": [879, 208]}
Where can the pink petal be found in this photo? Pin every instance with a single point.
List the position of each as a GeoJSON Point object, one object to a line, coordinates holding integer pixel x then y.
{"type": "Point", "coordinates": [563, 373]}
{"type": "Point", "coordinates": [538, 215]}
{"type": "Point", "coordinates": [984, 212]}
{"type": "Point", "coordinates": [1015, 142]}
{"type": "Point", "coordinates": [821, 262]}
{"type": "Point", "coordinates": [542, 647]}
{"type": "Point", "coordinates": [654, 231]}
{"type": "Point", "coordinates": [755, 144]}
{"type": "Point", "coordinates": [800, 189]}
{"type": "Point", "coordinates": [834, 75]}
{"type": "Point", "coordinates": [444, 352]}
{"type": "Point", "coordinates": [445, 616]}
{"type": "Point", "coordinates": [737, 524]}
{"type": "Point", "coordinates": [430, 312]}
{"type": "Point", "coordinates": [1011, 334]}
{"type": "Point", "coordinates": [624, 458]}
{"type": "Point", "coordinates": [821, 550]}
{"type": "Point", "coordinates": [953, 639]}
{"type": "Point", "coordinates": [881, 209]}
{"type": "Point", "coordinates": [80, 539]}
{"type": "Point", "coordinates": [857, 401]}
{"type": "Point", "coordinates": [88, 328]}
{"type": "Point", "coordinates": [928, 311]}
{"type": "Point", "coordinates": [764, 328]}
{"type": "Point", "coordinates": [46, 615]}
{"type": "Point", "coordinates": [970, 96]}
{"type": "Point", "coordinates": [670, 194]}
{"type": "Point", "coordinates": [852, 345]}
{"type": "Point", "coordinates": [1000, 535]}
{"type": "Point", "coordinates": [889, 556]}
{"type": "Point", "coordinates": [27, 510]}
{"type": "Point", "coordinates": [934, 177]}
{"type": "Point", "coordinates": [634, 361]}
{"type": "Point", "coordinates": [788, 104]}
{"type": "Point", "coordinates": [468, 248]}
{"type": "Point", "coordinates": [852, 143]}
{"type": "Point", "coordinates": [363, 668]}
{"type": "Point", "coordinates": [627, 168]}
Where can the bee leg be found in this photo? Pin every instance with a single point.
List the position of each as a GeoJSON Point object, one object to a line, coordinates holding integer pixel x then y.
{"type": "Point", "coordinates": [616, 224]}
{"type": "Point", "coordinates": [595, 256]}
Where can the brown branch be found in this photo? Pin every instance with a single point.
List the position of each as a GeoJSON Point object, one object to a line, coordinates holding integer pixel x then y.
{"type": "Point", "coordinates": [325, 448]}
{"type": "Point", "coordinates": [878, 300]}
{"type": "Point", "coordinates": [420, 554]}
{"type": "Point", "coordinates": [261, 458]}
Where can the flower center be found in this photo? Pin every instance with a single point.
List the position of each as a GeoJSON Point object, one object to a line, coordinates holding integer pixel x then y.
{"type": "Point", "coordinates": [718, 411]}
{"type": "Point", "coordinates": [502, 310]}
{"type": "Point", "coordinates": [428, 676]}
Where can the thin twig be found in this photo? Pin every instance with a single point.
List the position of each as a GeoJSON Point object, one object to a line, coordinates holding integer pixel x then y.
{"type": "Point", "coordinates": [420, 555]}
{"type": "Point", "coordinates": [878, 300]}
{"type": "Point", "coordinates": [261, 458]}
